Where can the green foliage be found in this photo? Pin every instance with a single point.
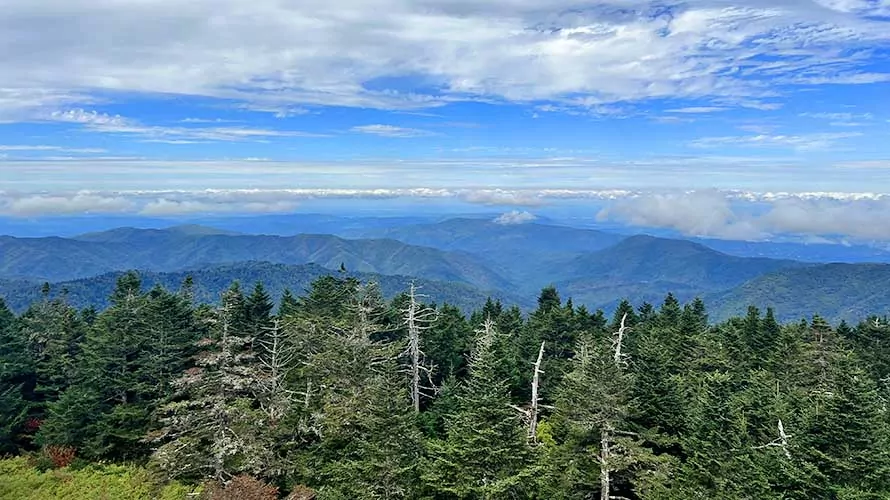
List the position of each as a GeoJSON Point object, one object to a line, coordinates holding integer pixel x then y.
{"type": "Point", "coordinates": [21, 481]}
{"type": "Point", "coordinates": [315, 398]}
{"type": "Point", "coordinates": [484, 452]}
{"type": "Point", "coordinates": [16, 369]}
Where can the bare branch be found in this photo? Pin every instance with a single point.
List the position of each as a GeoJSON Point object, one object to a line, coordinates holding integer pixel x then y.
{"type": "Point", "coordinates": [779, 442]}
{"type": "Point", "coordinates": [417, 318]}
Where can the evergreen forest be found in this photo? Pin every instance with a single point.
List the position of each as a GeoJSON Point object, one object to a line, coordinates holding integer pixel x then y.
{"type": "Point", "coordinates": [335, 392]}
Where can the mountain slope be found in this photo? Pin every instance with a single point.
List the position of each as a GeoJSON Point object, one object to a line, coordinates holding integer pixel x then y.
{"type": "Point", "coordinates": [524, 253]}
{"type": "Point", "coordinates": [486, 236]}
{"type": "Point", "coordinates": [834, 291]}
{"type": "Point", "coordinates": [56, 259]}
{"type": "Point", "coordinates": [645, 268]}
{"type": "Point", "coordinates": [132, 234]}
{"type": "Point", "coordinates": [211, 281]}
{"type": "Point", "coordinates": [650, 259]}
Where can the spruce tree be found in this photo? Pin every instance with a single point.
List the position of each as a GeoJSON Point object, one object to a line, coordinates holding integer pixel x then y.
{"type": "Point", "coordinates": [16, 371]}
{"type": "Point", "coordinates": [54, 333]}
{"type": "Point", "coordinates": [484, 453]}
{"type": "Point", "coordinates": [210, 430]}
{"type": "Point", "coordinates": [112, 377]}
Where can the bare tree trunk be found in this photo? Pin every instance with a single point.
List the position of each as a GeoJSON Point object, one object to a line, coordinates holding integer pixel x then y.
{"type": "Point", "coordinates": [620, 340]}
{"type": "Point", "coordinates": [605, 480]}
{"type": "Point", "coordinates": [533, 412]}
{"type": "Point", "coordinates": [607, 430]}
{"type": "Point", "coordinates": [417, 319]}
{"type": "Point", "coordinates": [277, 359]}
{"type": "Point", "coordinates": [414, 348]}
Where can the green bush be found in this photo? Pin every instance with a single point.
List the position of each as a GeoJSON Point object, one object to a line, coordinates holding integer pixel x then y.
{"type": "Point", "coordinates": [21, 481]}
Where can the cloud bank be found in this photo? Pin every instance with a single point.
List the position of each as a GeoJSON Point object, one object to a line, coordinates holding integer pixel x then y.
{"type": "Point", "coordinates": [751, 216]}
{"type": "Point", "coordinates": [742, 215]}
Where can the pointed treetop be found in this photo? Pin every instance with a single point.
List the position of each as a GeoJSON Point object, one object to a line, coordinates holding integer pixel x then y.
{"type": "Point", "coordinates": [548, 300]}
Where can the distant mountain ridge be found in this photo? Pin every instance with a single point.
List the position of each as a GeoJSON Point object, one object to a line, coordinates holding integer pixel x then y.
{"type": "Point", "coordinates": [526, 253]}
{"type": "Point", "coordinates": [482, 235]}
{"type": "Point", "coordinates": [477, 256]}
{"type": "Point", "coordinates": [648, 258]}
{"type": "Point", "coordinates": [836, 291]}
{"type": "Point", "coordinates": [211, 281]}
{"type": "Point", "coordinates": [56, 259]}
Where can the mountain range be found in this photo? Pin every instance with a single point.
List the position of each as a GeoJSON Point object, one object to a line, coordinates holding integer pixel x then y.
{"type": "Point", "coordinates": [462, 260]}
{"type": "Point", "coordinates": [189, 247]}
{"type": "Point", "coordinates": [211, 281]}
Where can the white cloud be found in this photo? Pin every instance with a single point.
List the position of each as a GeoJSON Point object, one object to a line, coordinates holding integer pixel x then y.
{"type": "Point", "coordinates": [758, 216]}
{"type": "Point", "coordinates": [100, 122]}
{"type": "Point", "coordinates": [390, 131]}
{"type": "Point", "coordinates": [44, 147]}
{"type": "Point", "coordinates": [705, 213]}
{"type": "Point", "coordinates": [708, 213]}
{"type": "Point", "coordinates": [697, 109]}
{"type": "Point", "coordinates": [839, 116]}
{"type": "Point", "coordinates": [90, 118]}
{"type": "Point", "coordinates": [818, 141]}
{"type": "Point", "coordinates": [64, 204]}
{"type": "Point", "coordinates": [866, 164]}
{"type": "Point", "coordinates": [504, 197]}
{"type": "Point", "coordinates": [167, 207]}
{"type": "Point", "coordinates": [282, 56]}
{"type": "Point", "coordinates": [205, 120]}
{"type": "Point", "coordinates": [508, 178]}
{"type": "Point", "coordinates": [514, 217]}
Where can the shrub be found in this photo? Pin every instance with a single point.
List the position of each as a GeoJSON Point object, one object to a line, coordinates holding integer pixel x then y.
{"type": "Point", "coordinates": [301, 492]}
{"type": "Point", "coordinates": [241, 487]}
{"type": "Point", "coordinates": [21, 481]}
{"type": "Point", "coordinates": [60, 456]}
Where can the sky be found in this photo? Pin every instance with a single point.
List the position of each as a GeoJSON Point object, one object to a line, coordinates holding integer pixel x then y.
{"type": "Point", "coordinates": [737, 119]}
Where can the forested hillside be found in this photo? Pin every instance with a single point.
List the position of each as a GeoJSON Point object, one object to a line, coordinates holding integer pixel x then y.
{"type": "Point", "coordinates": [175, 249]}
{"type": "Point", "coordinates": [467, 261]}
{"type": "Point", "coordinates": [209, 282]}
{"type": "Point", "coordinates": [343, 394]}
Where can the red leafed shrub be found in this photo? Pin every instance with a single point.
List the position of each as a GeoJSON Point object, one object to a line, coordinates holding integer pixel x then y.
{"type": "Point", "coordinates": [242, 487]}
{"type": "Point", "coordinates": [61, 456]}
{"type": "Point", "coordinates": [301, 492]}
{"type": "Point", "coordinates": [32, 424]}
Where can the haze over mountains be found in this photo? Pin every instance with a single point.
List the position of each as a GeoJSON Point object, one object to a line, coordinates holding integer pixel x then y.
{"type": "Point", "coordinates": [461, 261]}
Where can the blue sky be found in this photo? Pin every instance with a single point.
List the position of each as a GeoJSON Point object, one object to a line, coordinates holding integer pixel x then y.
{"type": "Point", "coordinates": [762, 113]}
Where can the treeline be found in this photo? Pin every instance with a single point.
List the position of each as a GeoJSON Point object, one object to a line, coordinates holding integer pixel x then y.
{"type": "Point", "coordinates": [340, 394]}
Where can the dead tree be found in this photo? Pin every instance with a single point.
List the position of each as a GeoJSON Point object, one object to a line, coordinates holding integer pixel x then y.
{"type": "Point", "coordinates": [779, 442]}
{"type": "Point", "coordinates": [278, 359]}
{"type": "Point", "coordinates": [618, 342]}
{"type": "Point", "coordinates": [417, 318]}
{"type": "Point", "coordinates": [533, 411]}
{"type": "Point", "coordinates": [607, 432]}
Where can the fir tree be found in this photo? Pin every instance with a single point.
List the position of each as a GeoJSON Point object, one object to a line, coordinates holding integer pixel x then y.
{"type": "Point", "coordinates": [211, 430]}
{"type": "Point", "coordinates": [16, 371]}
{"type": "Point", "coordinates": [484, 452]}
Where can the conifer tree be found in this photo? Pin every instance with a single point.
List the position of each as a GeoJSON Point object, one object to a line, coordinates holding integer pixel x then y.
{"type": "Point", "coordinates": [593, 419]}
{"type": "Point", "coordinates": [288, 304]}
{"type": "Point", "coordinates": [484, 453]}
{"type": "Point", "coordinates": [448, 341]}
{"type": "Point", "coordinates": [369, 443]}
{"type": "Point", "coordinates": [114, 352]}
{"type": "Point", "coordinates": [54, 333]}
{"type": "Point", "coordinates": [258, 313]}
{"type": "Point", "coordinates": [16, 370]}
{"type": "Point", "coordinates": [210, 431]}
